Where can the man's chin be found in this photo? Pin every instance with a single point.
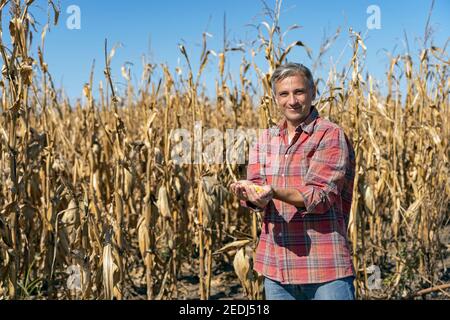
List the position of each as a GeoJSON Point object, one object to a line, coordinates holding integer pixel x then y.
{"type": "Point", "coordinates": [293, 118]}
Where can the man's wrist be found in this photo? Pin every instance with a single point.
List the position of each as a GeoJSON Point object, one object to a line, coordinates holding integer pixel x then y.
{"type": "Point", "coordinates": [253, 206]}
{"type": "Point", "coordinates": [274, 192]}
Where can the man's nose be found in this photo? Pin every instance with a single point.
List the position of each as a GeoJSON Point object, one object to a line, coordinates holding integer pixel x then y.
{"type": "Point", "coordinates": [292, 100]}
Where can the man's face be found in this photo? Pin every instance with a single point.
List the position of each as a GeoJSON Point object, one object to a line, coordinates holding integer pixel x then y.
{"type": "Point", "coordinates": [294, 97]}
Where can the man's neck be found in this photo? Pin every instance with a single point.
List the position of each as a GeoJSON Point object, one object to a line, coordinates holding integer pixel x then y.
{"type": "Point", "coordinates": [291, 127]}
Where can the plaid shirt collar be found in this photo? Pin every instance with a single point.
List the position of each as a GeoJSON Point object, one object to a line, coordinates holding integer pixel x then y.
{"type": "Point", "coordinates": [306, 126]}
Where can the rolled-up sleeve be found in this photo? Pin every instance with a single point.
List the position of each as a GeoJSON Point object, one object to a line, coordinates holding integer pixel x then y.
{"type": "Point", "coordinates": [325, 178]}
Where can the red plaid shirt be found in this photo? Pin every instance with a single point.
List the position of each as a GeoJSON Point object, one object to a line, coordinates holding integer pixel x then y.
{"type": "Point", "coordinates": [305, 245]}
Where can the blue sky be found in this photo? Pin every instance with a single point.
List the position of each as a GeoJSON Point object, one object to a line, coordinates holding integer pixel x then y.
{"type": "Point", "coordinates": [155, 28]}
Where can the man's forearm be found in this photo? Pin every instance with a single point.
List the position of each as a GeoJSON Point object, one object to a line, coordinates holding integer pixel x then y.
{"type": "Point", "coordinates": [291, 196]}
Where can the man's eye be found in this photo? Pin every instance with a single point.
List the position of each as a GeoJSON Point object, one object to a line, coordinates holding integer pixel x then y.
{"type": "Point", "coordinates": [283, 94]}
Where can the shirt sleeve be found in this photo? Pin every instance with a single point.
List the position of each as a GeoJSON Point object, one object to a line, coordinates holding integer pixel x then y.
{"type": "Point", "coordinates": [256, 167]}
{"type": "Point", "coordinates": [326, 174]}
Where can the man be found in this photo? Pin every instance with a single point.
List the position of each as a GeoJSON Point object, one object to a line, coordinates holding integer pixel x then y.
{"type": "Point", "coordinates": [301, 175]}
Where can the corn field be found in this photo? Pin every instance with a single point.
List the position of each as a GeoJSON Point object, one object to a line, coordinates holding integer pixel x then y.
{"type": "Point", "coordinates": [92, 187]}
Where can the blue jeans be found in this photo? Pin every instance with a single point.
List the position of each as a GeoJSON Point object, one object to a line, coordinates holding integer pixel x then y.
{"type": "Point", "coordinates": [340, 289]}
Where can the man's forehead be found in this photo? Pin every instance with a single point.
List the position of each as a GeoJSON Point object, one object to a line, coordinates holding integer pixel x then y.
{"type": "Point", "coordinates": [289, 81]}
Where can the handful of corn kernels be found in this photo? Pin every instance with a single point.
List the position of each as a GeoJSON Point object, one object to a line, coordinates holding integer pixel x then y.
{"type": "Point", "coordinates": [258, 189]}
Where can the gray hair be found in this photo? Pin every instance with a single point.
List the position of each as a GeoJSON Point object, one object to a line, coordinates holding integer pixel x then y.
{"type": "Point", "coordinates": [291, 69]}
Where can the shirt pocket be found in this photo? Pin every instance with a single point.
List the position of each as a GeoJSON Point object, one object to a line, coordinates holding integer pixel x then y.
{"type": "Point", "coordinates": [307, 154]}
{"type": "Point", "coordinates": [308, 150]}
{"type": "Point", "coordinates": [272, 164]}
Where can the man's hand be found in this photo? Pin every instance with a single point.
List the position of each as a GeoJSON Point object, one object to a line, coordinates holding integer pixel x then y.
{"type": "Point", "coordinates": [247, 191]}
{"type": "Point", "coordinates": [239, 190]}
{"type": "Point", "coordinates": [259, 195]}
